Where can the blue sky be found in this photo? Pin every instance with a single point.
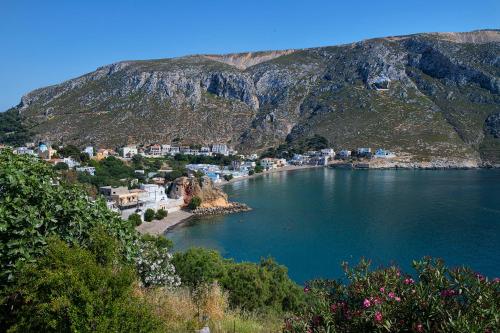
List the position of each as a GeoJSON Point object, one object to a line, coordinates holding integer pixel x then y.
{"type": "Point", "coordinates": [46, 42]}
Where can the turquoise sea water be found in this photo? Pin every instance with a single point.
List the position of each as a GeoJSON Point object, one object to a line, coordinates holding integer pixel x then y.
{"type": "Point", "coordinates": [312, 220]}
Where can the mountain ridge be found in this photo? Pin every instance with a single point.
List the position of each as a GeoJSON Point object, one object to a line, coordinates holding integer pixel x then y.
{"type": "Point", "coordinates": [443, 88]}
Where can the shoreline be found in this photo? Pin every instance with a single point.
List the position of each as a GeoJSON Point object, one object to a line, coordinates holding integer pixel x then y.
{"type": "Point", "coordinates": [286, 168]}
{"type": "Point", "coordinates": [177, 218]}
{"type": "Point", "coordinates": [157, 228]}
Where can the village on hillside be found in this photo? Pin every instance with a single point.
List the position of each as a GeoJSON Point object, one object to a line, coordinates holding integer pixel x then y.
{"type": "Point", "coordinates": [148, 189]}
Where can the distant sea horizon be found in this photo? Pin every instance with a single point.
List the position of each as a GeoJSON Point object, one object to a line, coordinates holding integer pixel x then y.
{"type": "Point", "coordinates": [313, 220]}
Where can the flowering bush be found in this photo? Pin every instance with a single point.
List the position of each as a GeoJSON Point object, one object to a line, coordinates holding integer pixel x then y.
{"type": "Point", "coordinates": [436, 299]}
{"type": "Point", "coordinates": [154, 265]}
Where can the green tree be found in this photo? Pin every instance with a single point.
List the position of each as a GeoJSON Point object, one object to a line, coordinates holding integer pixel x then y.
{"type": "Point", "coordinates": [228, 177]}
{"type": "Point", "coordinates": [261, 286]}
{"type": "Point", "coordinates": [198, 266]}
{"type": "Point", "coordinates": [70, 151]}
{"type": "Point", "coordinates": [173, 175]}
{"type": "Point", "coordinates": [194, 203]}
{"type": "Point", "coordinates": [138, 161]}
{"type": "Point", "coordinates": [161, 214]}
{"type": "Point", "coordinates": [135, 219]}
{"type": "Point", "coordinates": [61, 166]}
{"type": "Point", "coordinates": [69, 290]}
{"type": "Point", "coordinates": [84, 157]}
{"type": "Point", "coordinates": [34, 206]}
{"type": "Point", "coordinates": [149, 215]}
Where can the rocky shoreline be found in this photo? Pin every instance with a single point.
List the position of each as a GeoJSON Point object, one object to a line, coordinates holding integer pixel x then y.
{"type": "Point", "coordinates": [434, 165]}
{"type": "Point", "coordinates": [233, 207]}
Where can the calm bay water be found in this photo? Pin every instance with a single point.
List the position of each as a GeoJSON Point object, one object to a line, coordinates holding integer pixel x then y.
{"type": "Point", "coordinates": [312, 220]}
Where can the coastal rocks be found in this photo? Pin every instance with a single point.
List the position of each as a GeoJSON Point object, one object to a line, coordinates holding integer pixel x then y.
{"type": "Point", "coordinates": [202, 188]}
{"type": "Point", "coordinates": [232, 207]}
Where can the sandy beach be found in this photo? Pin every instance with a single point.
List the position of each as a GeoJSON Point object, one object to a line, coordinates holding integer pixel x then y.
{"type": "Point", "coordinates": [160, 227]}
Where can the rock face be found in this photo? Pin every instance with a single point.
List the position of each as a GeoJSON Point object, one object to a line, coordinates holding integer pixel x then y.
{"type": "Point", "coordinates": [204, 188]}
{"type": "Point", "coordinates": [427, 95]}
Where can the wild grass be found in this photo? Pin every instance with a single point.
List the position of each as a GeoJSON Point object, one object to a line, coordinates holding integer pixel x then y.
{"type": "Point", "coordinates": [185, 311]}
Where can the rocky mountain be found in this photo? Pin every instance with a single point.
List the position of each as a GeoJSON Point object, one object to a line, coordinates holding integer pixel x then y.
{"type": "Point", "coordinates": [426, 96]}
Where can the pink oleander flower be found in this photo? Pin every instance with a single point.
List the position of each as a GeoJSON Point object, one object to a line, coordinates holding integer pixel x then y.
{"type": "Point", "coordinates": [420, 328]}
{"type": "Point", "coordinates": [378, 316]}
{"type": "Point", "coordinates": [366, 303]}
{"type": "Point", "coordinates": [409, 281]}
{"type": "Point", "coordinates": [392, 295]}
{"type": "Point", "coordinates": [377, 300]}
{"type": "Point", "coordinates": [306, 289]}
{"type": "Point", "coordinates": [397, 299]}
{"type": "Point", "coordinates": [382, 290]}
{"type": "Point", "coordinates": [448, 293]}
{"type": "Point", "coordinates": [496, 280]}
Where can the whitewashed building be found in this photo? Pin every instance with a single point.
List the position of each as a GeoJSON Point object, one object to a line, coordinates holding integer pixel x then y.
{"type": "Point", "coordinates": [87, 169]}
{"type": "Point", "coordinates": [220, 149]}
{"type": "Point", "coordinates": [89, 150]}
{"type": "Point", "coordinates": [382, 153]}
{"type": "Point", "coordinates": [129, 151]}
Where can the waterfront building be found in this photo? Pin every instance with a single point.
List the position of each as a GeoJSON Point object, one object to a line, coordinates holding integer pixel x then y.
{"type": "Point", "coordinates": [281, 162]}
{"type": "Point", "coordinates": [344, 153]}
{"type": "Point", "coordinates": [268, 163]}
{"type": "Point", "coordinates": [382, 153]}
{"type": "Point", "coordinates": [122, 197]}
{"type": "Point", "coordinates": [364, 152]}
{"type": "Point", "coordinates": [328, 152]}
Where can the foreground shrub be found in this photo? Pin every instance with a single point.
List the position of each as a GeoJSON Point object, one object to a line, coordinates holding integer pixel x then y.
{"type": "Point", "coordinates": [149, 215]}
{"type": "Point", "coordinates": [264, 286]}
{"type": "Point", "coordinates": [35, 206]}
{"type": "Point", "coordinates": [161, 214]}
{"type": "Point", "coordinates": [436, 299]}
{"type": "Point", "coordinates": [197, 266]}
{"type": "Point", "coordinates": [72, 290]}
{"type": "Point", "coordinates": [135, 219]}
{"type": "Point", "coordinates": [154, 265]}
{"type": "Point", "coordinates": [251, 287]}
